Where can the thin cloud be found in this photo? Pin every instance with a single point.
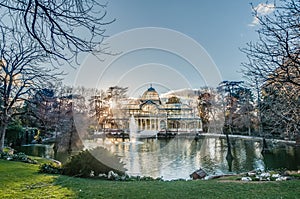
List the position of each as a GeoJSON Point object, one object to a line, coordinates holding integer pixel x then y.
{"type": "Point", "coordinates": [261, 10]}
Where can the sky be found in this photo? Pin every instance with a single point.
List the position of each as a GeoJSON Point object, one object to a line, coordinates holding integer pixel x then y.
{"type": "Point", "coordinates": [172, 44]}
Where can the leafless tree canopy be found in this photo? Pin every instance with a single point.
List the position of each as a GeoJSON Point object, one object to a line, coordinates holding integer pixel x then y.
{"type": "Point", "coordinates": [274, 62]}
{"type": "Point", "coordinates": [62, 28]}
{"type": "Point", "coordinates": [21, 74]}
{"type": "Point", "coordinates": [276, 55]}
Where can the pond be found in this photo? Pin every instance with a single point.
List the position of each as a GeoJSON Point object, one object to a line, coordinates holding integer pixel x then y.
{"type": "Point", "coordinates": [40, 150]}
{"type": "Point", "coordinates": [179, 157]}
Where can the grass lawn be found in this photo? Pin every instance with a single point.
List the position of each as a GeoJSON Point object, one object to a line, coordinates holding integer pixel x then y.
{"type": "Point", "coordinates": [21, 180]}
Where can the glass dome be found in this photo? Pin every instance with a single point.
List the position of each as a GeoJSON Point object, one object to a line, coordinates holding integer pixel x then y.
{"type": "Point", "coordinates": [150, 94]}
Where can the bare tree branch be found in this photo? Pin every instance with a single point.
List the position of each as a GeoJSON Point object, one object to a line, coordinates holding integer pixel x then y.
{"type": "Point", "coordinates": [276, 56]}
{"type": "Point", "coordinates": [62, 28]}
{"type": "Point", "coordinates": [21, 74]}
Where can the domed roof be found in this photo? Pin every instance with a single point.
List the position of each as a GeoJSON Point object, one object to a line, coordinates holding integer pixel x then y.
{"type": "Point", "coordinates": [150, 94]}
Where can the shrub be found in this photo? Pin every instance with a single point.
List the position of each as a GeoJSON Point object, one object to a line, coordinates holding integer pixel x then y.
{"type": "Point", "coordinates": [96, 161]}
{"type": "Point", "coordinates": [22, 157]}
{"type": "Point", "coordinates": [50, 168]}
{"type": "Point", "coordinates": [3, 155]}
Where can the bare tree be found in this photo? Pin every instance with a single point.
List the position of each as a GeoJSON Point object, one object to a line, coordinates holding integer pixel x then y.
{"type": "Point", "coordinates": [37, 112]}
{"type": "Point", "coordinates": [62, 29]}
{"type": "Point", "coordinates": [21, 74]}
{"type": "Point", "coordinates": [99, 108]}
{"type": "Point", "coordinates": [244, 115]}
{"type": "Point", "coordinates": [281, 111]}
{"type": "Point", "coordinates": [274, 64]}
{"type": "Point", "coordinates": [56, 111]}
{"type": "Point", "coordinates": [115, 96]}
{"type": "Point", "coordinates": [230, 91]}
{"type": "Point", "coordinates": [213, 111]}
{"type": "Point", "coordinates": [204, 108]}
{"type": "Point", "coordinates": [275, 58]}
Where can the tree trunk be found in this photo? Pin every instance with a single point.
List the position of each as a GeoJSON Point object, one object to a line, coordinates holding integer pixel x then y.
{"type": "Point", "coordinates": [2, 135]}
{"type": "Point", "coordinates": [229, 156]}
{"type": "Point", "coordinates": [249, 131]}
{"type": "Point", "coordinates": [55, 146]}
{"type": "Point", "coordinates": [265, 148]}
{"type": "Point", "coordinates": [69, 150]}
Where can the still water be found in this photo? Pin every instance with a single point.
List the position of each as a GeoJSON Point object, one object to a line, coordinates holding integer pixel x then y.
{"type": "Point", "coordinates": [40, 150]}
{"type": "Point", "coordinates": [179, 157]}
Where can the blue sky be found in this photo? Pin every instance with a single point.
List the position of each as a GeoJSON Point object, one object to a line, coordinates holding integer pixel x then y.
{"type": "Point", "coordinates": [220, 27]}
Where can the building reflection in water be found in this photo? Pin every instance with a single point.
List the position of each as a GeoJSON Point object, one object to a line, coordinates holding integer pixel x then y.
{"type": "Point", "coordinates": [179, 157]}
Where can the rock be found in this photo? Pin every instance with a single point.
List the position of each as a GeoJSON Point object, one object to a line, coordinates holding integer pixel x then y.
{"type": "Point", "coordinates": [282, 178]}
{"type": "Point", "coordinates": [92, 174]}
{"type": "Point", "coordinates": [112, 175]}
{"type": "Point", "coordinates": [275, 175]}
{"type": "Point", "coordinates": [265, 175]}
{"type": "Point", "coordinates": [199, 174]}
{"type": "Point", "coordinates": [246, 179]}
{"type": "Point", "coordinates": [251, 173]}
{"type": "Point", "coordinates": [288, 178]}
{"type": "Point", "coordinates": [123, 177]}
{"type": "Point", "coordinates": [102, 175]}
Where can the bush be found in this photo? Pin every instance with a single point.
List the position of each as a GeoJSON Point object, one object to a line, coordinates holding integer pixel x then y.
{"type": "Point", "coordinates": [3, 155]}
{"type": "Point", "coordinates": [21, 157]}
{"type": "Point", "coordinates": [92, 163]}
{"type": "Point", "coordinates": [50, 168]}
{"type": "Point", "coordinates": [15, 134]}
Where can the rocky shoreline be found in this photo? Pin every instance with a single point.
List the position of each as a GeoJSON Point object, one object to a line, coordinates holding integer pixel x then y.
{"type": "Point", "coordinates": [255, 175]}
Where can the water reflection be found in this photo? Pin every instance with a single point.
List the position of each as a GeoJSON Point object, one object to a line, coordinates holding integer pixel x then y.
{"type": "Point", "coordinates": [285, 157]}
{"type": "Point", "coordinates": [39, 150]}
{"type": "Point", "coordinates": [179, 157]}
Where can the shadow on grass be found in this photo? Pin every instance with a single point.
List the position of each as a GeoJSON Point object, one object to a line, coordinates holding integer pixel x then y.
{"type": "Point", "coordinates": [95, 188]}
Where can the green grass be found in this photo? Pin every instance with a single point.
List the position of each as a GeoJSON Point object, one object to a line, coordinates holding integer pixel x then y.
{"type": "Point", "coordinates": [40, 160]}
{"type": "Point", "coordinates": [21, 180]}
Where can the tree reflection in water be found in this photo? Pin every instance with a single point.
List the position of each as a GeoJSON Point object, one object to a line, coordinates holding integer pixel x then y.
{"type": "Point", "coordinates": [179, 157]}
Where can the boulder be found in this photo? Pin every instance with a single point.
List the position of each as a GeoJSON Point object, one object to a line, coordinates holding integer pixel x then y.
{"type": "Point", "coordinates": [282, 178]}
{"type": "Point", "coordinates": [102, 175]}
{"type": "Point", "coordinates": [251, 173]}
{"type": "Point", "coordinates": [247, 179]}
{"type": "Point", "coordinates": [265, 175]}
{"type": "Point", "coordinates": [275, 175]}
{"type": "Point", "coordinates": [112, 175]}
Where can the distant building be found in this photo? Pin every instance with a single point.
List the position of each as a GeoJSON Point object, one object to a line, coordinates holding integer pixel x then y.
{"type": "Point", "coordinates": [151, 114]}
